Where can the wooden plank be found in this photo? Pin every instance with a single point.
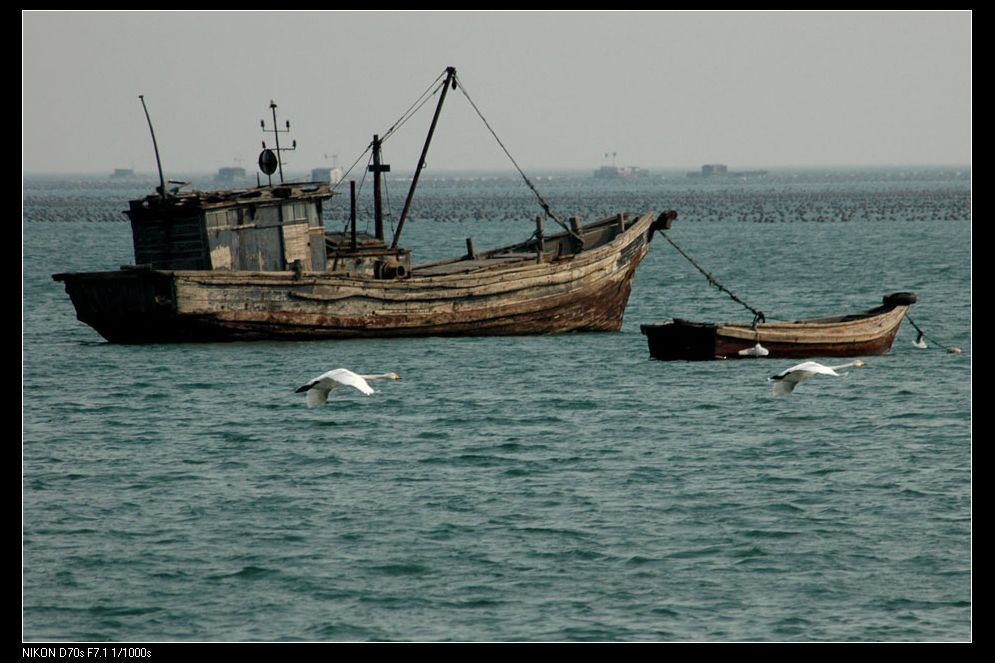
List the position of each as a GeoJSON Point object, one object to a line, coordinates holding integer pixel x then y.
{"type": "Point", "coordinates": [296, 245]}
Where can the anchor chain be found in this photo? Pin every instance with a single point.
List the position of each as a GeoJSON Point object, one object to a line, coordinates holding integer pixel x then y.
{"type": "Point", "coordinates": [758, 316]}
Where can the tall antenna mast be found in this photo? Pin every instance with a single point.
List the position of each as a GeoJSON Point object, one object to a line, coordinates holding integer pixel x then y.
{"type": "Point", "coordinates": [270, 160]}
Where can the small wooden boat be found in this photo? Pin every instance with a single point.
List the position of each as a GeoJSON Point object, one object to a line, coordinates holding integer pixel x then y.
{"type": "Point", "coordinates": [869, 333]}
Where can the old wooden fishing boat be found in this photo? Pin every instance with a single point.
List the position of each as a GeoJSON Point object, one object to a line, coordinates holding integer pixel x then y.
{"type": "Point", "coordinates": [867, 333]}
{"type": "Point", "coordinates": [259, 264]}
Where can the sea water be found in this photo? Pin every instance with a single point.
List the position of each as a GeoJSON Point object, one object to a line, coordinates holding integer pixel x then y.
{"type": "Point", "coordinates": [551, 488]}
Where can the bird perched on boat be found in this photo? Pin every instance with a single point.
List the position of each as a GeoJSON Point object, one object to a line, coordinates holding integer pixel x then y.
{"type": "Point", "coordinates": [756, 351]}
{"type": "Point", "coordinates": [318, 388]}
{"type": "Point", "coordinates": [786, 381]}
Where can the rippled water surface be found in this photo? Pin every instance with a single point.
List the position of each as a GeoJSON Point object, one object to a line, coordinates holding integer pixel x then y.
{"type": "Point", "coordinates": [525, 488]}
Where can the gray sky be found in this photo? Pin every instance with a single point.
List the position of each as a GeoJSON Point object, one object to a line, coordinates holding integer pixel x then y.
{"type": "Point", "coordinates": [561, 89]}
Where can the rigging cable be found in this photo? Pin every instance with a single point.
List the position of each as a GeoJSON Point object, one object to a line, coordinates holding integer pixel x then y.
{"type": "Point", "coordinates": [359, 190]}
{"type": "Point", "coordinates": [346, 175]}
{"type": "Point", "coordinates": [758, 316]}
{"type": "Point", "coordinates": [415, 107]}
{"type": "Point", "coordinates": [407, 115]}
{"type": "Point", "coordinates": [542, 201]}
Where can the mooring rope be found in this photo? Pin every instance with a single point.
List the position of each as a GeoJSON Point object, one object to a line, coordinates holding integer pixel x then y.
{"type": "Point", "coordinates": [758, 316]}
{"type": "Point", "coordinates": [922, 335]}
{"type": "Point", "coordinates": [542, 201]}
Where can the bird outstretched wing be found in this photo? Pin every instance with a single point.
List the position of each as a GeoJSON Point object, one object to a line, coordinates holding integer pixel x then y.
{"type": "Point", "coordinates": [349, 379]}
{"type": "Point", "coordinates": [804, 369]}
{"type": "Point", "coordinates": [316, 397]}
{"type": "Point", "coordinates": [318, 388]}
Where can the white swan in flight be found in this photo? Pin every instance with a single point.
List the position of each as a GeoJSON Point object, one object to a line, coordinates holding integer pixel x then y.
{"type": "Point", "coordinates": [786, 381]}
{"type": "Point", "coordinates": [318, 388]}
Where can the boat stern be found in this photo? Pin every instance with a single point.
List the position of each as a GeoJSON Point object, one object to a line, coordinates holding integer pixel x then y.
{"type": "Point", "coordinates": [681, 339]}
{"type": "Point", "coordinates": [127, 306]}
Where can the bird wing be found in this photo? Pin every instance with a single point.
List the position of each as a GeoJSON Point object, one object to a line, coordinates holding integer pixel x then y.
{"type": "Point", "coordinates": [318, 388]}
{"type": "Point", "coordinates": [824, 370]}
{"type": "Point", "coordinates": [323, 381]}
{"type": "Point", "coordinates": [804, 370]}
{"type": "Point", "coordinates": [348, 378]}
{"type": "Point", "coordinates": [316, 396]}
{"type": "Point", "coordinates": [307, 386]}
{"type": "Point", "coordinates": [784, 387]}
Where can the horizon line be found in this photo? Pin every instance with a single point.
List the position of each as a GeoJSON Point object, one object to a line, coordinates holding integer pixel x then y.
{"type": "Point", "coordinates": [512, 171]}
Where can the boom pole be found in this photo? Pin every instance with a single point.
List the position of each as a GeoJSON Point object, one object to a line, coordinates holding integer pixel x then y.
{"type": "Point", "coordinates": [450, 81]}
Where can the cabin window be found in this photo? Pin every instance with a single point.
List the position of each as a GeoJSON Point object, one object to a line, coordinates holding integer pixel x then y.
{"type": "Point", "coordinates": [217, 219]}
{"type": "Point", "coordinates": [295, 212]}
{"type": "Point", "coordinates": [242, 216]}
{"type": "Point", "coordinates": [267, 216]}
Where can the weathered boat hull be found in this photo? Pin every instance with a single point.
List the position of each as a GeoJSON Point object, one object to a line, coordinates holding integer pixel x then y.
{"type": "Point", "coordinates": [499, 293]}
{"type": "Point", "coordinates": [868, 333]}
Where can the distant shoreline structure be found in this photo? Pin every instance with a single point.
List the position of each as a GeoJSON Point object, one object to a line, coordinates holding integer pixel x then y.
{"type": "Point", "coordinates": [721, 170]}
{"type": "Point", "coordinates": [619, 172]}
{"type": "Point", "coordinates": [230, 174]}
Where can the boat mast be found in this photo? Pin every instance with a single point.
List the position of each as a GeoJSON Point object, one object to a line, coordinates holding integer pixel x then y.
{"type": "Point", "coordinates": [276, 136]}
{"type": "Point", "coordinates": [450, 80]}
{"type": "Point", "coordinates": [155, 146]}
{"type": "Point", "coordinates": [376, 169]}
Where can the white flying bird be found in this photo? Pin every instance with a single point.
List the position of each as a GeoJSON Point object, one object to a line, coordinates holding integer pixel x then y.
{"type": "Point", "coordinates": [786, 380]}
{"type": "Point", "coordinates": [318, 388]}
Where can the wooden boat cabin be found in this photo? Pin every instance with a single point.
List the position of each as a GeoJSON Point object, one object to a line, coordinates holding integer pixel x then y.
{"type": "Point", "coordinates": [263, 229]}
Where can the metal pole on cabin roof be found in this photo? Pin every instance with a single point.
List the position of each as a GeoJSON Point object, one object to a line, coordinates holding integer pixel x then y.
{"type": "Point", "coordinates": [450, 80]}
{"type": "Point", "coordinates": [352, 212]}
{"type": "Point", "coordinates": [376, 169]}
{"type": "Point", "coordinates": [155, 146]}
